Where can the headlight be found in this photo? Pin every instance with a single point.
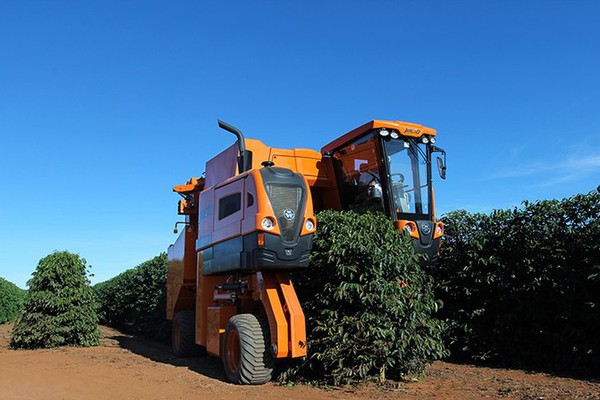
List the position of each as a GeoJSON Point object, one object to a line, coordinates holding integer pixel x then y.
{"type": "Point", "coordinates": [432, 140]}
{"type": "Point", "coordinates": [384, 132]}
{"type": "Point", "coordinates": [394, 135]}
{"type": "Point", "coordinates": [439, 231]}
{"type": "Point", "coordinates": [425, 140]}
{"type": "Point", "coordinates": [309, 225]}
{"type": "Point", "coordinates": [408, 228]}
{"type": "Point", "coordinates": [267, 223]}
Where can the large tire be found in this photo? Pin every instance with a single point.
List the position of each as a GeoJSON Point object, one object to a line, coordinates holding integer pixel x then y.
{"type": "Point", "coordinates": [246, 350]}
{"type": "Point", "coordinates": [183, 338]}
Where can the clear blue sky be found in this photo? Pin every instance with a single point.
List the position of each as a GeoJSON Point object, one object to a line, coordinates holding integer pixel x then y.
{"type": "Point", "coordinates": [104, 106]}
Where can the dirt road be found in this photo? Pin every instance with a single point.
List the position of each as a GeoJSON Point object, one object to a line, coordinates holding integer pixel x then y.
{"type": "Point", "coordinates": [127, 367]}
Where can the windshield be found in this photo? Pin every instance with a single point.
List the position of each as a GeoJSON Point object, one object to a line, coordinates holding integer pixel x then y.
{"type": "Point", "coordinates": [407, 160]}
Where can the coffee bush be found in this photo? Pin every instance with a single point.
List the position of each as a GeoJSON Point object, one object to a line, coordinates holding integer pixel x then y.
{"type": "Point", "coordinates": [60, 308]}
{"type": "Point", "coordinates": [367, 303]}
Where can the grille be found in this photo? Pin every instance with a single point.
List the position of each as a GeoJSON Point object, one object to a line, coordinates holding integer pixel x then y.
{"type": "Point", "coordinates": [283, 199]}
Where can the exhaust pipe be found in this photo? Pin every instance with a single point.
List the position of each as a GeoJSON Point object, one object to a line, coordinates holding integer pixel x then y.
{"type": "Point", "coordinates": [245, 157]}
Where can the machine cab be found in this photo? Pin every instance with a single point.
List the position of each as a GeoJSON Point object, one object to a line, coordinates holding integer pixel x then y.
{"type": "Point", "coordinates": [386, 166]}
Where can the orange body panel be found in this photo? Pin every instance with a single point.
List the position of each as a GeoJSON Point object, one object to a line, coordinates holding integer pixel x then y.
{"type": "Point", "coordinates": [297, 323]}
{"type": "Point", "coordinates": [181, 273]}
{"type": "Point", "coordinates": [217, 318]}
{"type": "Point", "coordinates": [269, 296]}
{"type": "Point", "coordinates": [302, 161]}
{"type": "Point", "coordinates": [192, 185]}
{"type": "Point", "coordinates": [204, 299]}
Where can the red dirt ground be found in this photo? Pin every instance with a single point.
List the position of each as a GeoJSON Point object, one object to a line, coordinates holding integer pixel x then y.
{"type": "Point", "coordinates": [126, 367]}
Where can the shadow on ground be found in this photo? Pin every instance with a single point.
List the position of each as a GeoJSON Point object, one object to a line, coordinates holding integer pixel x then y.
{"type": "Point", "coordinates": [585, 376]}
{"type": "Point", "coordinates": [208, 366]}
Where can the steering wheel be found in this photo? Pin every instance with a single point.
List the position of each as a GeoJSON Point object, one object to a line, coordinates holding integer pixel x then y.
{"type": "Point", "coordinates": [400, 178]}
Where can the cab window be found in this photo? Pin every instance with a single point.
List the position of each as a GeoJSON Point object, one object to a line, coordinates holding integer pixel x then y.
{"type": "Point", "coordinates": [229, 205]}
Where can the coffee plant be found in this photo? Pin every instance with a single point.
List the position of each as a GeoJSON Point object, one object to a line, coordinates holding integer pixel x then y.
{"type": "Point", "coordinates": [60, 308]}
{"type": "Point", "coordinates": [367, 302]}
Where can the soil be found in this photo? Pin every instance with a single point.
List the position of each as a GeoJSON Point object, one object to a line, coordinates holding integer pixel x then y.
{"type": "Point", "coordinates": [128, 367]}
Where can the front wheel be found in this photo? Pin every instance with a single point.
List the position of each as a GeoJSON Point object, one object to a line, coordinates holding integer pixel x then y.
{"type": "Point", "coordinates": [246, 351]}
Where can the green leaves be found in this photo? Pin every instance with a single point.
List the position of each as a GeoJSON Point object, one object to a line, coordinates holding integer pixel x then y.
{"type": "Point", "coordinates": [368, 304]}
{"type": "Point", "coordinates": [517, 284]}
{"type": "Point", "coordinates": [135, 300]}
{"type": "Point", "coordinates": [11, 300]}
{"type": "Point", "coordinates": [60, 309]}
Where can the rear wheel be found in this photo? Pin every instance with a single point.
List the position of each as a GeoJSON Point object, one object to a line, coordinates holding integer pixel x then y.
{"type": "Point", "coordinates": [246, 351]}
{"type": "Point", "coordinates": [183, 338]}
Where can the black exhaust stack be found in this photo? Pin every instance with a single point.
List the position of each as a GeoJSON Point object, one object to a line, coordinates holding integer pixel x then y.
{"type": "Point", "coordinates": [245, 157]}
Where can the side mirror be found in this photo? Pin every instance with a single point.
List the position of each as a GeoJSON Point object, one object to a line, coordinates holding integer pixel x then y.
{"type": "Point", "coordinates": [440, 163]}
{"type": "Point", "coordinates": [441, 167]}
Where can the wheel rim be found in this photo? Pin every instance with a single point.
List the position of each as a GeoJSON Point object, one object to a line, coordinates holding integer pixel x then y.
{"type": "Point", "coordinates": [176, 335]}
{"type": "Point", "coordinates": [232, 351]}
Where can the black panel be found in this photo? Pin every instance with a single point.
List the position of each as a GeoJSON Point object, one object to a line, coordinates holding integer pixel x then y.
{"type": "Point", "coordinates": [222, 257]}
{"type": "Point", "coordinates": [425, 231]}
{"type": "Point", "coordinates": [275, 254]}
{"type": "Point", "coordinates": [429, 251]}
{"type": "Point", "coordinates": [243, 254]}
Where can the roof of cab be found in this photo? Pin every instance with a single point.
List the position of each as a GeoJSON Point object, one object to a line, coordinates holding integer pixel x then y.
{"type": "Point", "coordinates": [405, 129]}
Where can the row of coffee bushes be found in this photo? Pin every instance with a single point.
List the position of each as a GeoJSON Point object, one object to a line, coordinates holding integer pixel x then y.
{"type": "Point", "coordinates": [11, 300]}
{"type": "Point", "coordinates": [521, 287]}
{"type": "Point", "coordinates": [135, 300]}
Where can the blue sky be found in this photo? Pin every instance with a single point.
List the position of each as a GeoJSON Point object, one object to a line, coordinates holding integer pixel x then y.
{"type": "Point", "coordinates": [105, 106]}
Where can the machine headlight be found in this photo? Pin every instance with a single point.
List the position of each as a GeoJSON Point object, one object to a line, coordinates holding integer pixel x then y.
{"type": "Point", "coordinates": [408, 228]}
{"type": "Point", "coordinates": [309, 225]}
{"type": "Point", "coordinates": [267, 223]}
{"type": "Point", "coordinates": [439, 231]}
{"type": "Point", "coordinates": [432, 140]}
{"type": "Point", "coordinates": [425, 140]}
{"type": "Point", "coordinates": [384, 132]}
{"type": "Point", "coordinates": [394, 135]}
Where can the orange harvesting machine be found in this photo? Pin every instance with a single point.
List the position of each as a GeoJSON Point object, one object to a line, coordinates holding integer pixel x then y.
{"type": "Point", "coordinates": [250, 220]}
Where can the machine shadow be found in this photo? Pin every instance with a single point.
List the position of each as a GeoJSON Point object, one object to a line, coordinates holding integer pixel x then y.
{"type": "Point", "coordinates": [210, 367]}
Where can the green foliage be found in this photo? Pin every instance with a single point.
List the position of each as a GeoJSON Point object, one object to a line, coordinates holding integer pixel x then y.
{"type": "Point", "coordinates": [60, 308]}
{"type": "Point", "coordinates": [368, 303]}
{"type": "Point", "coordinates": [522, 286]}
{"type": "Point", "coordinates": [135, 300]}
{"type": "Point", "coordinates": [11, 300]}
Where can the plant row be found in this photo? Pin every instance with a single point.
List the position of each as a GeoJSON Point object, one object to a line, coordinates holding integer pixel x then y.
{"type": "Point", "coordinates": [135, 300]}
{"type": "Point", "coordinates": [11, 300]}
{"type": "Point", "coordinates": [521, 287]}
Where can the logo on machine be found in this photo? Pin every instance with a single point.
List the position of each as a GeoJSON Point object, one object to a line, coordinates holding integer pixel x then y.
{"type": "Point", "coordinates": [288, 214]}
{"type": "Point", "coordinates": [412, 130]}
{"type": "Point", "coordinates": [426, 229]}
